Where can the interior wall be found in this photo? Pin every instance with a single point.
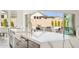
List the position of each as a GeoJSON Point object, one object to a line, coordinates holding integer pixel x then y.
{"type": "Point", "coordinates": [26, 12]}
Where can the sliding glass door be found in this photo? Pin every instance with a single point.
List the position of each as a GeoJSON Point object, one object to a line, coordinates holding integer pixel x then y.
{"type": "Point", "coordinates": [69, 30]}
{"type": "Point", "coordinates": [69, 21]}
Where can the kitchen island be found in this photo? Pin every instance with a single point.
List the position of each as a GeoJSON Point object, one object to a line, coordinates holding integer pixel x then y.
{"type": "Point", "coordinates": [40, 40]}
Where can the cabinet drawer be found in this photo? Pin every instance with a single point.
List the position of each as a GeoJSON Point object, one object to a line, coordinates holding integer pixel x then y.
{"type": "Point", "coordinates": [32, 44]}
{"type": "Point", "coordinates": [21, 44]}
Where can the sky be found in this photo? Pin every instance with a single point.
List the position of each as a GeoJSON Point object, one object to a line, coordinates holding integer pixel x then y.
{"type": "Point", "coordinates": [50, 13]}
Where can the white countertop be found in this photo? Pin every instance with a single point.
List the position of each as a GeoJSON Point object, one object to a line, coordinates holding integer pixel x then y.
{"type": "Point", "coordinates": [49, 36]}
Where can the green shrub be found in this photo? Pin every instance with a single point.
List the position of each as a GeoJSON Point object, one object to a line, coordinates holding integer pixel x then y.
{"type": "Point", "coordinates": [12, 24]}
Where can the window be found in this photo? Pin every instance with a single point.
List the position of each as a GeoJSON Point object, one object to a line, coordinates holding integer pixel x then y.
{"type": "Point", "coordinates": [2, 16]}
{"type": "Point", "coordinates": [37, 17]}
{"type": "Point", "coordinates": [34, 17]}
